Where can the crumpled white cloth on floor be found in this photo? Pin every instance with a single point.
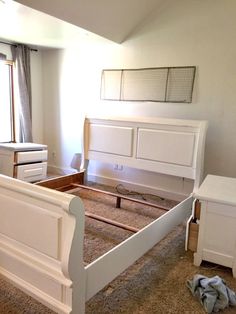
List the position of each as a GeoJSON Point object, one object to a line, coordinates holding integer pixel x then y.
{"type": "Point", "coordinates": [213, 293]}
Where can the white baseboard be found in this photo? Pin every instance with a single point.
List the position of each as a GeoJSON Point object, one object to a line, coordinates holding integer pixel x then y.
{"type": "Point", "coordinates": [137, 187]}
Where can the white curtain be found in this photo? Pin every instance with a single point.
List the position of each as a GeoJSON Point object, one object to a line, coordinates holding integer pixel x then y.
{"type": "Point", "coordinates": [21, 57]}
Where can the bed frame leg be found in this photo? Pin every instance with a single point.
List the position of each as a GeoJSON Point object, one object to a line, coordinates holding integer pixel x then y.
{"type": "Point", "coordinates": [78, 304]}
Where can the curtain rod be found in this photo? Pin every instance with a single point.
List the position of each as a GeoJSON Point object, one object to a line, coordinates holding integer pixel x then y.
{"type": "Point", "coordinates": [15, 45]}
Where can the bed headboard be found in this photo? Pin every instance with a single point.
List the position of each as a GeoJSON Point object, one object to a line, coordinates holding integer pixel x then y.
{"type": "Point", "coordinates": [168, 146]}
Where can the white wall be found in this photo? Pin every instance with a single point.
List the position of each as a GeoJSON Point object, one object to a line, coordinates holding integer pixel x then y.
{"type": "Point", "coordinates": [63, 107]}
{"type": "Point", "coordinates": [183, 32]}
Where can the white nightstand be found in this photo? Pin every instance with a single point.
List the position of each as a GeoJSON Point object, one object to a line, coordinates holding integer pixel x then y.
{"type": "Point", "coordinates": [217, 224]}
{"type": "Point", "coordinates": [24, 161]}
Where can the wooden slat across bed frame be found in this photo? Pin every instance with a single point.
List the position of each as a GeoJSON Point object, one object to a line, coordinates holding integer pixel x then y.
{"type": "Point", "coordinates": [42, 229]}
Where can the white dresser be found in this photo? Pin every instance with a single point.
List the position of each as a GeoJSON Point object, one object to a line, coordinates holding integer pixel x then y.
{"type": "Point", "coordinates": [217, 223]}
{"type": "Point", "coordinates": [24, 161]}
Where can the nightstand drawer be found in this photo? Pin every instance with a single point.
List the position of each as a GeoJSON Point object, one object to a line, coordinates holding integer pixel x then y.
{"type": "Point", "coordinates": [31, 172]}
{"type": "Point", "coordinates": [31, 156]}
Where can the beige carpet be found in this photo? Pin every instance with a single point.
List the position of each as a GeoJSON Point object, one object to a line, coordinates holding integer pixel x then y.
{"type": "Point", "coordinates": [156, 283]}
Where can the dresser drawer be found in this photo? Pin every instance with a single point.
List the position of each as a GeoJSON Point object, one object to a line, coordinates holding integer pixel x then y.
{"type": "Point", "coordinates": [31, 172]}
{"type": "Point", "coordinates": [31, 156]}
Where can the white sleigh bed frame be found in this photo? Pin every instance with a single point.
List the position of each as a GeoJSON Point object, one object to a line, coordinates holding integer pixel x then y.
{"type": "Point", "coordinates": [42, 230]}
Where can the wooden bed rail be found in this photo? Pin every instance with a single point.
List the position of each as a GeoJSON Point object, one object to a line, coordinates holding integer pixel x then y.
{"type": "Point", "coordinates": [71, 182]}
{"type": "Point", "coordinates": [119, 197]}
{"type": "Point", "coordinates": [111, 222]}
{"type": "Point", "coordinates": [63, 183]}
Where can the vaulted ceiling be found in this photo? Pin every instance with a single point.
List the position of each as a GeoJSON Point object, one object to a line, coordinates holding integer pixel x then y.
{"type": "Point", "coordinates": [112, 19]}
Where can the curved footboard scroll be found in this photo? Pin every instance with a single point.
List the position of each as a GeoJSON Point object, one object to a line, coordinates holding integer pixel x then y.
{"type": "Point", "coordinates": [41, 244]}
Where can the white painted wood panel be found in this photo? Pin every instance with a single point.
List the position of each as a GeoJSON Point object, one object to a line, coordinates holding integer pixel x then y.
{"type": "Point", "coordinates": [24, 161]}
{"type": "Point", "coordinates": [220, 231]}
{"type": "Point", "coordinates": [166, 146]}
{"type": "Point", "coordinates": [31, 172]}
{"type": "Point", "coordinates": [31, 226]}
{"type": "Point", "coordinates": [31, 156]}
{"type": "Point", "coordinates": [218, 189]}
{"type": "Point", "coordinates": [31, 275]}
{"type": "Point", "coordinates": [217, 224]}
{"type": "Point", "coordinates": [37, 231]}
{"type": "Point", "coordinates": [22, 146]}
{"type": "Point", "coordinates": [115, 140]}
{"type": "Point", "coordinates": [217, 257]}
{"type": "Point", "coordinates": [6, 162]}
{"type": "Point", "coordinates": [144, 164]}
{"type": "Point", "coordinates": [222, 210]}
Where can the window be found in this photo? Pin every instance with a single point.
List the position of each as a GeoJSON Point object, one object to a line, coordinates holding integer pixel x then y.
{"type": "Point", "coordinates": [7, 129]}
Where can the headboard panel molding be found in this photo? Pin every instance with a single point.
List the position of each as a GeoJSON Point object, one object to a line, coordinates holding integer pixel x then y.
{"type": "Point", "coordinates": [168, 146]}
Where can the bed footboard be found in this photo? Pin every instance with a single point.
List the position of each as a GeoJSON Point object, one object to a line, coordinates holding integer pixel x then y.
{"type": "Point", "coordinates": [41, 244]}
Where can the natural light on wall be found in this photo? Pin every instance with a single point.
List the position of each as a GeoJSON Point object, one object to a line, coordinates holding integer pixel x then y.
{"type": "Point", "coordinates": [71, 100]}
{"type": "Point", "coordinates": [79, 93]}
